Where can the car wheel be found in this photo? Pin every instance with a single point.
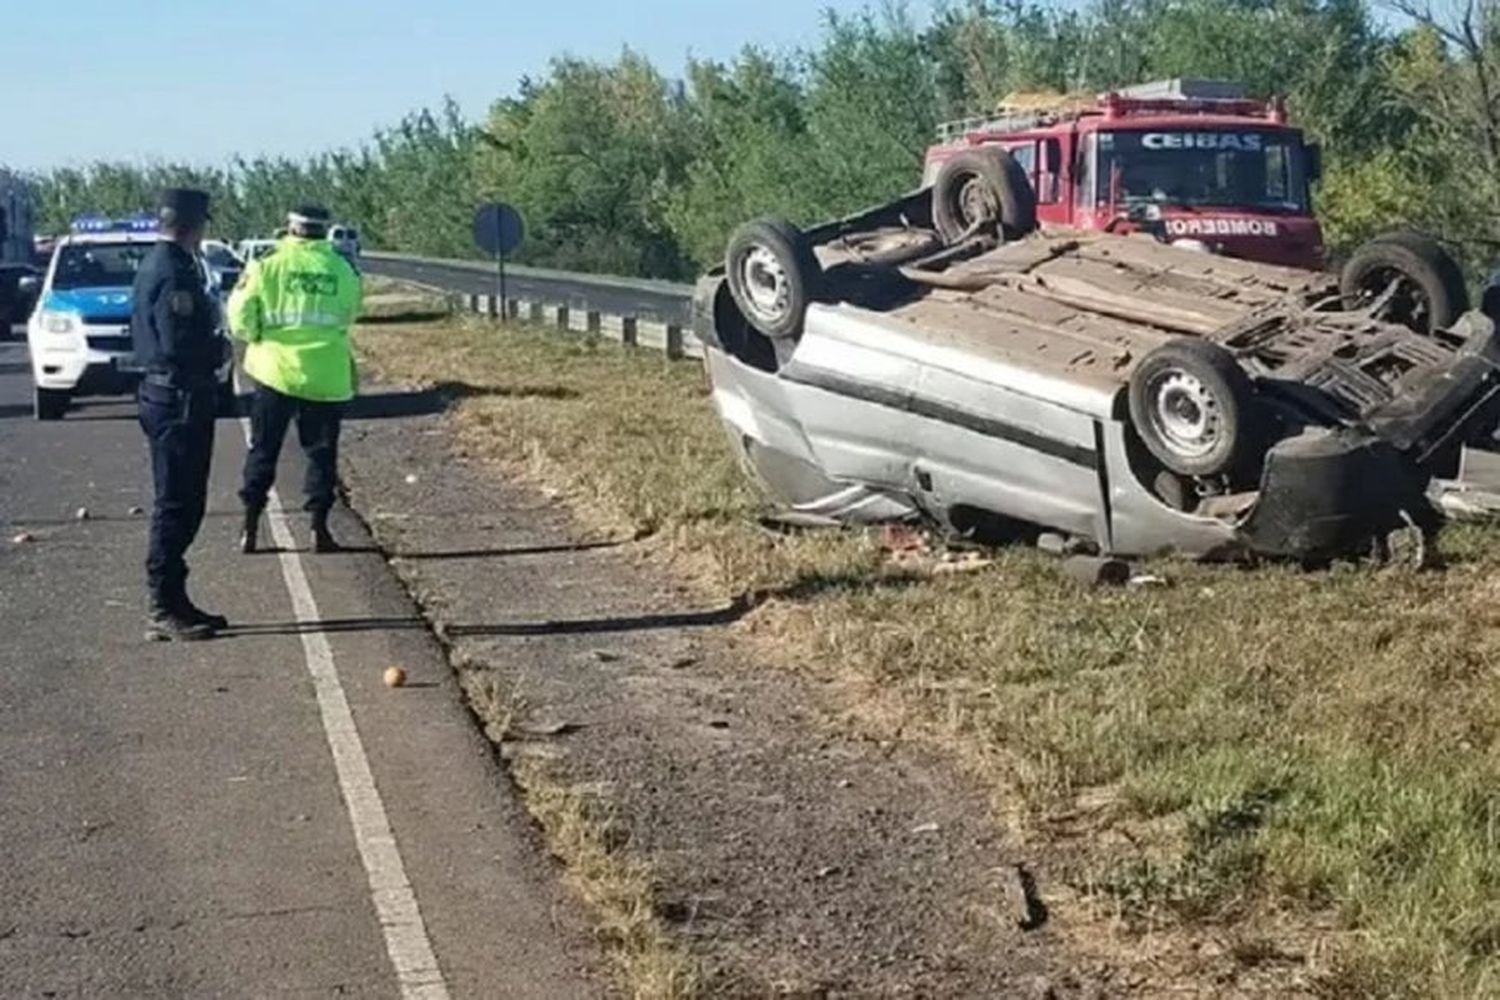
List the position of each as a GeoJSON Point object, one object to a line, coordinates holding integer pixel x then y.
{"type": "Point", "coordinates": [49, 404]}
{"type": "Point", "coordinates": [983, 185]}
{"type": "Point", "coordinates": [773, 275]}
{"type": "Point", "coordinates": [1191, 403]}
{"type": "Point", "coordinates": [1426, 284]}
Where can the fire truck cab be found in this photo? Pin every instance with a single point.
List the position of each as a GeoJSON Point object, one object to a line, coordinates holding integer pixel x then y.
{"type": "Point", "coordinates": [1193, 161]}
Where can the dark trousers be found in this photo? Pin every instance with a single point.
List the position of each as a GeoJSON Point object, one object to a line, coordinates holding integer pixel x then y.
{"type": "Point", "coordinates": [179, 426]}
{"type": "Point", "coordinates": [318, 433]}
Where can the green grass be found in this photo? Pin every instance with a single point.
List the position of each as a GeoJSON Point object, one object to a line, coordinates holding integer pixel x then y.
{"type": "Point", "coordinates": [1318, 747]}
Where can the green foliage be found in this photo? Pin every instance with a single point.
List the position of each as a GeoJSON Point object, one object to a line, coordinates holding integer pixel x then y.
{"type": "Point", "coordinates": [619, 168]}
{"type": "Point", "coordinates": [590, 156]}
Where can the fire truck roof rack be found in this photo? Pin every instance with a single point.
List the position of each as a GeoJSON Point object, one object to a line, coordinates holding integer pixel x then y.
{"type": "Point", "coordinates": [981, 124]}
{"type": "Point", "coordinates": [1183, 88]}
{"type": "Point", "coordinates": [1180, 95]}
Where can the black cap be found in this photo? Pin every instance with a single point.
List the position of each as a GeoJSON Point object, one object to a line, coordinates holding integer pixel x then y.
{"type": "Point", "coordinates": [184, 207]}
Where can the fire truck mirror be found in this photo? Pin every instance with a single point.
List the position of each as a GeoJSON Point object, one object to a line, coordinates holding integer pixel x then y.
{"type": "Point", "coordinates": [1314, 162]}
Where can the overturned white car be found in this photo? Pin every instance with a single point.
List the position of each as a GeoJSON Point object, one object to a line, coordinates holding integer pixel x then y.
{"type": "Point", "coordinates": [1139, 396]}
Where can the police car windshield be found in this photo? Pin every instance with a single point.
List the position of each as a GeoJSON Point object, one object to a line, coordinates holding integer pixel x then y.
{"type": "Point", "coordinates": [1254, 170]}
{"type": "Point", "coordinates": [98, 265]}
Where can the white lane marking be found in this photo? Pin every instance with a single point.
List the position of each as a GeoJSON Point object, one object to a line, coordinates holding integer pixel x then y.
{"type": "Point", "coordinates": [406, 941]}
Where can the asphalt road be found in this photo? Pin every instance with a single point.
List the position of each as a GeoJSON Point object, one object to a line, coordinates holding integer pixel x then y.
{"type": "Point", "coordinates": [253, 816]}
{"type": "Point", "coordinates": [659, 301]}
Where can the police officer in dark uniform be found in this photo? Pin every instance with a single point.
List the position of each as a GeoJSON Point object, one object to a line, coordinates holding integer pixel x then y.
{"type": "Point", "coordinates": [173, 324]}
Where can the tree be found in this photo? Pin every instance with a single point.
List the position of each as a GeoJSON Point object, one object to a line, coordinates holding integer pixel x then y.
{"type": "Point", "coordinates": [591, 156]}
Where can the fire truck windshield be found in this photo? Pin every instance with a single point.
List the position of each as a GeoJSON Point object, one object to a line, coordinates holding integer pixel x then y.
{"type": "Point", "coordinates": [1253, 170]}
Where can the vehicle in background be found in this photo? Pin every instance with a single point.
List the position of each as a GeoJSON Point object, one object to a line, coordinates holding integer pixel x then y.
{"type": "Point", "coordinates": [1193, 161]}
{"type": "Point", "coordinates": [19, 286]}
{"type": "Point", "coordinates": [223, 264]}
{"type": "Point", "coordinates": [41, 250]}
{"type": "Point", "coordinates": [248, 250]}
{"type": "Point", "coordinates": [17, 219]}
{"type": "Point", "coordinates": [346, 240]}
{"type": "Point", "coordinates": [79, 333]}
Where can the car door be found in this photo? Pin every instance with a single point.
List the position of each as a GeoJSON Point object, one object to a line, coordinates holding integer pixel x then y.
{"type": "Point", "coordinates": [884, 404]}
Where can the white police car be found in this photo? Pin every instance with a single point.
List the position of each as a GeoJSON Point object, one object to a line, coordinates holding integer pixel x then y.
{"type": "Point", "coordinates": [79, 333]}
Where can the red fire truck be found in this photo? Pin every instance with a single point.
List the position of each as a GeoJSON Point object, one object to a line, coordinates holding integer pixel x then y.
{"type": "Point", "coordinates": [1193, 161]}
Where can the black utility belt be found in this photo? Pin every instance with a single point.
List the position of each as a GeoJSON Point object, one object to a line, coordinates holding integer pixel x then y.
{"type": "Point", "coordinates": [176, 383]}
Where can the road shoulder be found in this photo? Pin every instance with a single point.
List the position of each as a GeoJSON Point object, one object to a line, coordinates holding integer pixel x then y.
{"type": "Point", "coordinates": [787, 854]}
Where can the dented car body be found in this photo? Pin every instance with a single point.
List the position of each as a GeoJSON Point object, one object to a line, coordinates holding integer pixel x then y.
{"type": "Point", "coordinates": [1033, 382]}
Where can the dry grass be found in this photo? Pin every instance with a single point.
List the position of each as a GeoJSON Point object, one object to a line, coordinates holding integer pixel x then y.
{"type": "Point", "coordinates": [582, 834]}
{"type": "Point", "coordinates": [1324, 747]}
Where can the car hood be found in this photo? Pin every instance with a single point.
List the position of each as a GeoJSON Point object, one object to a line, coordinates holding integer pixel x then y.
{"type": "Point", "coordinates": [107, 303]}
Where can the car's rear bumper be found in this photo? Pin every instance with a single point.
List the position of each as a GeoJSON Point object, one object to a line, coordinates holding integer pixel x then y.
{"type": "Point", "coordinates": [1330, 493]}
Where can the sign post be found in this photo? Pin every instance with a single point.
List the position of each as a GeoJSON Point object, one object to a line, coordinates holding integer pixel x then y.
{"type": "Point", "coordinates": [498, 230]}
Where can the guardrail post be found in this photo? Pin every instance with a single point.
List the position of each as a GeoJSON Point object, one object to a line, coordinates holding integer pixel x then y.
{"type": "Point", "coordinates": [674, 341]}
{"type": "Point", "coordinates": [491, 307]}
{"type": "Point", "coordinates": [562, 317]}
{"type": "Point", "coordinates": [629, 330]}
{"type": "Point", "coordinates": [595, 322]}
{"type": "Point", "coordinates": [474, 303]}
{"type": "Point", "coordinates": [512, 309]}
{"type": "Point", "coordinates": [536, 312]}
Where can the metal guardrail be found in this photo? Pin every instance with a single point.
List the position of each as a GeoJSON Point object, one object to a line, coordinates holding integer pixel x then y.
{"type": "Point", "coordinates": [653, 314]}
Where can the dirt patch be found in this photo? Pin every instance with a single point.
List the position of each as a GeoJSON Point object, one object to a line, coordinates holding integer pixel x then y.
{"type": "Point", "coordinates": [794, 858]}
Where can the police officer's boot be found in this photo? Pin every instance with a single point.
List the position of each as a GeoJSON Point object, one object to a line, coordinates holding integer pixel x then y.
{"type": "Point", "coordinates": [323, 540]}
{"type": "Point", "coordinates": [193, 613]}
{"type": "Point", "coordinates": [169, 623]}
{"type": "Point", "coordinates": [250, 533]}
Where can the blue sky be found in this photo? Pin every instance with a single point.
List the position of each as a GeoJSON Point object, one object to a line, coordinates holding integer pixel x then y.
{"type": "Point", "coordinates": [199, 80]}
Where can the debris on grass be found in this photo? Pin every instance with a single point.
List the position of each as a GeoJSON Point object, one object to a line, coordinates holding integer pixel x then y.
{"type": "Point", "coordinates": [1026, 907]}
{"type": "Point", "coordinates": [961, 562]}
{"type": "Point", "coordinates": [1096, 571]}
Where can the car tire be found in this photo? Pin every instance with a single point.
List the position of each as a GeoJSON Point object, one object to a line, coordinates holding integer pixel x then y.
{"type": "Point", "coordinates": [1433, 294]}
{"type": "Point", "coordinates": [1192, 406]}
{"type": "Point", "coordinates": [773, 275]}
{"type": "Point", "coordinates": [49, 404]}
{"type": "Point", "coordinates": [978, 184]}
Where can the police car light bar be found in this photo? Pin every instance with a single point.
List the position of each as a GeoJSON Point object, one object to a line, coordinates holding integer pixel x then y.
{"type": "Point", "coordinates": [99, 224]}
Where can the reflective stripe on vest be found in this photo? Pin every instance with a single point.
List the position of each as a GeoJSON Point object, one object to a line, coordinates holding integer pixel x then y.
{"type": "Point", "coordinates": [300, 320]}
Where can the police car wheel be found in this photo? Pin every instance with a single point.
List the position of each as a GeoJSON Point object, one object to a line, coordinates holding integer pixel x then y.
{"type": "Point", "coordinates": [49, 404]}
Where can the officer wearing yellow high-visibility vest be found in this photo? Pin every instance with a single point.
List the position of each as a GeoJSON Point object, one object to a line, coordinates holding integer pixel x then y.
{"type": "Point", "coordinates": [294, 308]}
